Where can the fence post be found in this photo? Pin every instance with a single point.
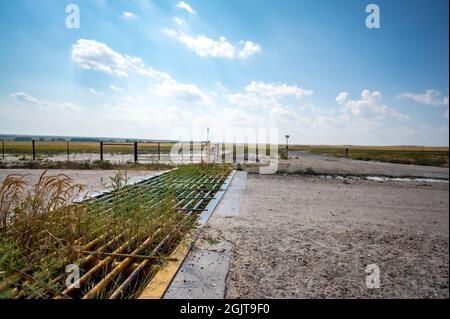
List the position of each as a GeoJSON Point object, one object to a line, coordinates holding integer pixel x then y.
{"type": "Point", "coordinates": [159, 152]}
{"type": "Point", "coordinates": [191, 149]}
{"type": "Point", "coordinates": [101, 151]}
{"type": "Point", "coordinates": [34, 149]}
{"type": "Point", "coordinates": [68, 151]}
{"type": "Point", "coordinates": [3, 149]}
{"type": "Point", "coordinates": [135, 152]}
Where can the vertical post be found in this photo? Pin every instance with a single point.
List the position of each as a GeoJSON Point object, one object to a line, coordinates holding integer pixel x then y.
{"type": "Point", "coordinates": [257, 152]}
{"type": "Point", "coordinates": [191, 149]}
{"type": "Point", "coordinates": [159, 152]}
{"type": "Point", "coordinates": [287, 146]}
{"type": "Point", "coordinates": [135, 152]}
{"type": "Point", "coordinates": [182, 152]}
{"type": "Point", "coordinates": [34, 149]}
{"type": "Point", "coordinates": [423, 156]}
{"type": "Point", "coordinates": [3, 149]}
{"type": "Point", "coordinates": [346, 152]}
{"type": "Point", "coordinates": [68, 151]}
{"type": "Point", "coordinates": [101, 151]}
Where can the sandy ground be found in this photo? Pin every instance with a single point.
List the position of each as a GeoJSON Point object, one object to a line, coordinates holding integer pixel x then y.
{"type": "Point", "coordinates": [94, 180]}
{"type": "Point", "coordinates": [319, 164]}
{"type": "Point", "coordinates": [307, 237]}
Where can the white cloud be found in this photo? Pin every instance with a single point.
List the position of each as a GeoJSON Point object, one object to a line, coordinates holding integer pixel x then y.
{"type": "Point", "coordinates": [178, 21]}
{"type": "Point", "coordinates": [116, 89]}
{"type": "Point", "coordinates": [149, 71]}
{"type": "Point", "coordinates": [369, 106]}
{"type": "Point", "coordinates": [93, 55]}
{"type": "Point", "coordinates": [249, 49]}
{"type": "Point", "coordinates": [430, 97]}
{"type": "Point", "coordinates": [97, 56]}
{"type": "Point", "coordinates": [246, 100]}
{"type": "Point", "coordinates": [342, 97]}
{"type": "Point", "coordinates": [277, 90]}
{"type": "Point", "coordinates": [128, 15]}
{"type": "Point", "coordinates": [206, 47]}
{"type": "Point", "coordinates": [24, 97]}
{"type": "Point", "coordinates": [186, 92]}
{"type": "Point", "coordinates": [95, 92]}
{"type": "Point", "coordinates": [27, 98]}
{"type": "Point", "coordinates": [184, 6]}
{"type": "Point", "coordinates": [268, 96]}
{"type": "Point", "coordinates": [144, 114]}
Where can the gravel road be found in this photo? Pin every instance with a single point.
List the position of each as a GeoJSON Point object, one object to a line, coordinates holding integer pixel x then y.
{"type": "Point", "coordinates": [307, 237]}
{"type": "Point", "coordinates": [321, 164]}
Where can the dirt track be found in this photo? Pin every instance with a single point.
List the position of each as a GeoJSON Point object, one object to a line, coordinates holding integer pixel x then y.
{"type": "Point", "coordinates": [320, 164]}
{"type": "Point", "coordinates": [306, 237]}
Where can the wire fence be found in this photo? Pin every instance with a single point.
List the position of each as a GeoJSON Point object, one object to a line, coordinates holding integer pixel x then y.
{"type": "Point", "coordinates": [117, 152]}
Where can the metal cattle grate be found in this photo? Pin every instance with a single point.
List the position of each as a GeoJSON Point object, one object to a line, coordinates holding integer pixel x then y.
{"type": "Point", "coordinates": [126, 265]}
{"type": "Point", "coordinates": [119, 263]}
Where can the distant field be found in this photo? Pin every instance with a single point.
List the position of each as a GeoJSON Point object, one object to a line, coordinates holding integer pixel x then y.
{"type": "Point", "coordinates": [429, 156]}
{"type": "Point", "coordinates": [51, 148]}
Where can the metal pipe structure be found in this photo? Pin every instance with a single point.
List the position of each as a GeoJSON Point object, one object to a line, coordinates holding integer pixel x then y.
{"type": "Point", "coordinates": [117, 266]}
{"type": "Point", "coordinates": [124, 286]}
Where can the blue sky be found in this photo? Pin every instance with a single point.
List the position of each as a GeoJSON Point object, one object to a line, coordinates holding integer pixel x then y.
{"type": "Point", "coordinates": [155, 69]}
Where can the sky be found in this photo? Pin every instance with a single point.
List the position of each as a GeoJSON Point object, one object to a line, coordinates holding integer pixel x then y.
{"type": "Point", "coordinates": [167, 69]}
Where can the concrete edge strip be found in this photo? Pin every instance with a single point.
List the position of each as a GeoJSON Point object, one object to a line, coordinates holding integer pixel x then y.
{"type": "Point", "coordinates": [164, 277]}
{"type": "Point", "coordinates": [161, 281]}
{"type": "Point", "coordinates": [206, 214]}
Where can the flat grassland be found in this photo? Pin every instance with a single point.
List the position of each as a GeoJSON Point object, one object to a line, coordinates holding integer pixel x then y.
{"type": "Point", "coordinates": [51, 148]}
{"type": "Point", "coordinates": [429, 156]}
